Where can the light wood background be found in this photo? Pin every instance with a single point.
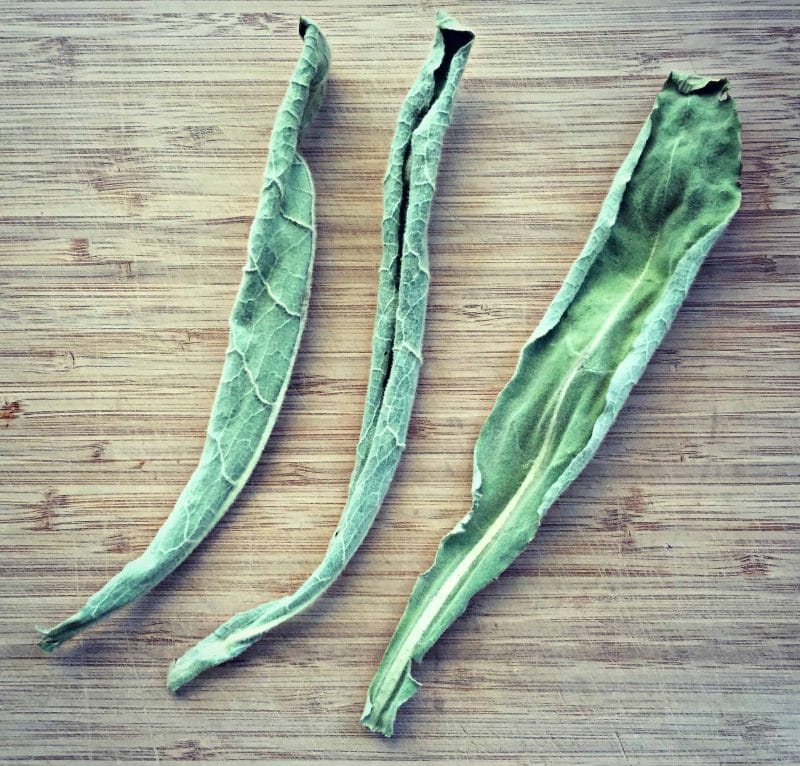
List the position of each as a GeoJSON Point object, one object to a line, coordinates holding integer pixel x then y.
{"type": "Point", "coordinates": [655, 618]}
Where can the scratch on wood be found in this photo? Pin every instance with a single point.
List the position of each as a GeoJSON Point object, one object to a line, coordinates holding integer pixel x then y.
{"type": "Point", "coordinates": [621, 746]}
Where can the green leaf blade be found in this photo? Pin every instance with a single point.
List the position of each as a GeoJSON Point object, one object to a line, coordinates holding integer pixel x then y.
{"type": "Point", "coordinates": [265, 329]}
{"type": "Point", "coordinates": [671, 199]}
{"type": "Point", "coordinates": [396, 347]}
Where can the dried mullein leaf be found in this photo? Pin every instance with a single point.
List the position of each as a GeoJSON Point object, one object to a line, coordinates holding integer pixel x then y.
{"type": "Point", "coordinates": [396, 348]}
{"type": "Point", "coordinates": [669, 202]}
{"type": "Point", "coordinates": [265, 328]}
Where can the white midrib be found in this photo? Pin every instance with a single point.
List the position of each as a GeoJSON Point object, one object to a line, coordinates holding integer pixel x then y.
{"type": "Point", "coordinates": [303, 597]}
{"type": "Point", "coordinates": [258, 629]}
{"type": "Point", "coordinates": [406, 649]}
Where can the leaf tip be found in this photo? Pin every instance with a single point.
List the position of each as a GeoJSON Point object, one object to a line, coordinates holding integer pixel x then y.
{"type": "Point", "coordinates": [443, 18]}
{"type": "Point", "coordinates": [46, 644]}
{"type": "Point", "coordinates": [381, 706]}
{"type": "Point", "coordinates": [306, 24]}
{"type": "Point", "coordinates": [446, 23]}
{"type": "Point", "coordinates": [178, 677]}
{"type": "Point", "coordinates": [173, 682]}
{"type": "Point", "coordinates": [687, 83]}
{"type": "Point", "coordinates": [51, 638]}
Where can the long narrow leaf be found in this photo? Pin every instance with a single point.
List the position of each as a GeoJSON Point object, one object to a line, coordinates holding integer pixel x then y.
{"type": "Point", "coordinates": [670, 201]}
{"type": "Point", "coordinates": [265, 328]}
{"type": "Point", "coordinates": [396, 348]}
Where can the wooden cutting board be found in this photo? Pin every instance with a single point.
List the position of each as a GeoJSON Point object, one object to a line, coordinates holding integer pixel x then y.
{"type": "Point", "coordinates": [655, 618]}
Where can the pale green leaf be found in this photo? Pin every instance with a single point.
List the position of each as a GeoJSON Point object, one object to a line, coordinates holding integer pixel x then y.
{"type": "Point", "coordinates": [396, 347]}
{"type": "Point", "coordinates": [265, 328]}
{"type": "Point", "coordinates": [669, 202]}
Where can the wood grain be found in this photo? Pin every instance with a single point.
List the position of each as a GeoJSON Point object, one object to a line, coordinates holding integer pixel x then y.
{"type": "Point", "coordinates": [653, 621]}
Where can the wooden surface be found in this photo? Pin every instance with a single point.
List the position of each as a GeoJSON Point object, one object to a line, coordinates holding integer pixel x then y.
{"type": "Point", "coordinates": [655, 618]}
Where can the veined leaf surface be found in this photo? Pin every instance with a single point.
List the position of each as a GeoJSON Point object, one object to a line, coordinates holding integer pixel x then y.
{"type": "Point", "coordinates": [669, 202]}
{"type": "Point", "coordinates": [265, 328]}
{"type": "Point", "coordinates": [396, 346]}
